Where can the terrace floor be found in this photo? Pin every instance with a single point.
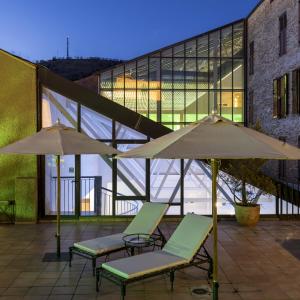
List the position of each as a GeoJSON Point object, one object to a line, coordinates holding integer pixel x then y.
{"type": "Point", "coordinates": [260, 263]}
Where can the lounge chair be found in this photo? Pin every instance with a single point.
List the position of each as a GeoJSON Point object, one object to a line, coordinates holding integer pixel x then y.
{"type": "Point", "coordinates": [185, 248]}
{"type": "Point", "coordinates": [146, 221]}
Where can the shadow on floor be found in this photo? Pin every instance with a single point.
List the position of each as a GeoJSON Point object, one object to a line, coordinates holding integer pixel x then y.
{"type": "Point", "coordinates": [293, 246]}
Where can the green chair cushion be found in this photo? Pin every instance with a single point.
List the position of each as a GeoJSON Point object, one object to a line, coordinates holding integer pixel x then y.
{"type": "Point", "coordinates": [188, 237]}
{"type": "Point", "coordinates": [139, 265]}
{"type": "Point", "coordinates": [147, 219]}
{"type": "Point", "coordinates": [102, 245]}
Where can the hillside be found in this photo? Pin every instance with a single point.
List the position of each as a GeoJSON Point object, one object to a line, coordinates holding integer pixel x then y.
{"type": "Point", "coordinates": [77, 68]}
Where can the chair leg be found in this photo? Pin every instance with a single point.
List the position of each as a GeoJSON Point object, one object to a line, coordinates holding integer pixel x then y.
{"type": "Point", "coordinates": [172, 278]}
{"type": "Point", "coordinates": [70, 256]}
{"type": "Point", "coordinates": [94, 265]}
{"type": "Point", "coordinates": [97, 280]}
{"type": "Point", "coordinates": [210, 262]}
{"type": "Point", "coordinates": [123, 291]}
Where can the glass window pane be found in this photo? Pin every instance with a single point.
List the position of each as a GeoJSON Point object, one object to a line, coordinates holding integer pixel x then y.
{"type": "Point", "coordinates": [197, 189]}
{"type": "Point", "coordinates": [130, 75]}
{"type": "Point", "coordinates": [95, 125]}
{"type": "Point", "coordinates": [202, 46]}
{"type": "Point", "coordinates": [165, 180]}
{"type": "Point", "coordinates": [96, 185]}
{"type": "Point", "coordinates": [167, 53]}
{"type": "Point", "coordinates": [178, 51]}
{"type": "Point", "coordinates": [202, 100]}
{"type": "Point", "coordinates": [119, 96]}
{"type": "Point", "coordinates": [106, 80]}
{"type": "Point", "coordinates": [130, 99]}
{"type": "Point", "coordinates": [128, 207]}
{"type": "Point", "coordinates": [56, 106]}
{"type": "Point", "coordinates": [214, 102]}
{"type": "Point", "coordinates": [190, 106]}
{"type": "Point", "coordinates": [173, 210]}
{"type": "Point", "coordinates": [190, 73]}
{"type": "Point", "coordinates": [238, 106]}
{"type": "Point", "coordinates": [166, 106]}
{"type": "Point", "coordinates": [214, 73]}
{"type": "Point", "coordinates": [190, 49]}
{"type": "Point", "coordinates": [166, 73]}
{"type": "Point", "coordinates": [178, 73]}
{"type": "Point", "coordinates": [238, 74]}
{"type": "Point", "coordinates": [226, 34]}
{"type": "Point", "coordinates": [142, 74]}
{"type": "Point", "coordinates": [131, 174]}
{"type": "Point", "coordinates": [214, 44]}
{"type": "Point", "coordinates": [125, 133]}
{"type": "Point", "coordinates": [156, 54]}
{"type": "Point", "coordinates": [202, 66]}
{"type": "Point", "coordinates": [154, 73]}
{"type": "Point", "coordinates": [154, 104]}
{"type": "Point", "coordinates": [142, 102]}
{"type": "Point", "coordinates": [226, 69]}
{"type": "Point", "coordinates": [238, 37]}
{"type": "Point", "coordinates": [178, 103]}
{"type": "Point", "coordinates": [106, 94]}
{"type": "Point", "coordinates": [226, 109]}
{"type": "Point", "coordinates": [118, 77]}
{"type": "Point", "coordinates": [67, 177]}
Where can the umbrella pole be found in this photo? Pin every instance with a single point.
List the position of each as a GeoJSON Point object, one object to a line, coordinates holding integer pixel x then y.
{"type": "Point", "coordinates": [58, 207]}
{"type": "Point", "coordinates": [215, 284]}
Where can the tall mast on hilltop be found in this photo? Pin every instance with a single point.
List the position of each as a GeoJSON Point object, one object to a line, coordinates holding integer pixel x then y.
{"type": "Point", "coordinates": [68, 47]}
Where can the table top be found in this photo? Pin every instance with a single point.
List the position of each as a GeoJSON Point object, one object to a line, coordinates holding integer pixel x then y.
{"type": "Point", "coordinates": [138, 240]}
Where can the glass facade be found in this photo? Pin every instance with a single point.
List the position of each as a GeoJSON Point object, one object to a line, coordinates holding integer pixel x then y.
{"type": "Point", "coordinates": [184, 82]}
{"type": "Point", "coordinates": [95, 185]}
{"type": "Point", "coordinates": [173, 86]}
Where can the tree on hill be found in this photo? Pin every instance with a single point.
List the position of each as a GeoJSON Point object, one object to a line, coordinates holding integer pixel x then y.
{"type": "Point", "coordinates": [77, 68]}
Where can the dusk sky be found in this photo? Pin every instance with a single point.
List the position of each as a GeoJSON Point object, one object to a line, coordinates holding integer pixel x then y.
{"type": "Point", "coordinates": [122, 29]}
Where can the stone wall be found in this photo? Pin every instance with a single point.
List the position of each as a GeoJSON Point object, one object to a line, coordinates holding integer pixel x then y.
{"type": "Point", "coordinates": [263, 29]}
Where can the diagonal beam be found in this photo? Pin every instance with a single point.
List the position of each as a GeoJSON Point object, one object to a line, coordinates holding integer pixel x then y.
{"type": "Point", "coordinates": [74, 124]}
{"type": "Point", "coordinates": [164, 179]}
{"type": "Point", "coordinates": [176, 189]}
{"type": "Point", "coordinates": [220, 188]}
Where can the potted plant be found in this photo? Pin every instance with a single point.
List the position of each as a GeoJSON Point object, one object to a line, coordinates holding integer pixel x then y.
{"type": "Point", "coordinates": [247, 184]}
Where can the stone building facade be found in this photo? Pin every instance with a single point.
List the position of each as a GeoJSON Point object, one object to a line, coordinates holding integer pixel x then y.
{"type": "Point", "coordinates": [266, 64]}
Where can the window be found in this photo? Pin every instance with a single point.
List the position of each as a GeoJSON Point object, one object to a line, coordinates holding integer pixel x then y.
{"type": "Point", "coordinates": [296, 91]}
{"type": "Point", "coordinates": [282, 163]}
{"type": "Point", "coordinates": [280, 97]}
{"type": "Point", "coordinates": [298, 160]}
{"type": "Point", "coordinates": [282, 33]}
{"type": "Point", "coordinates": [299, 21]}
{"type": "Point", "coordinates": [251, 58]}
{"type": "Point", "coordinates": [250, 116]}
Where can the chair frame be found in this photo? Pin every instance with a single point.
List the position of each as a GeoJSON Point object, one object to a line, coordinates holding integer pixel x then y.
{"type": "Point", "coordinates": [93, 257]}
{"type": "Point", "coordinates": [201, 257]}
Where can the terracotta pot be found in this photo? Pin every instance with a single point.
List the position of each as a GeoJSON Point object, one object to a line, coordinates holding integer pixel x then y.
{"type": "Point", "coordinates": [247, 215]}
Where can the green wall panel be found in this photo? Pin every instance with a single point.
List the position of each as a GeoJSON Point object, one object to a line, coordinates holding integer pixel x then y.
{"type": "Point", "coordinates": [17, 119]}
{"type": "Point", "coordinates": [26, 199]}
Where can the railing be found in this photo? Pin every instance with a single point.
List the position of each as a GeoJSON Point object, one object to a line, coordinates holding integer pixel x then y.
{"type": "Point", "coordinates": [288, 199]}
{"type": "Point", "coordinates": [95, 200]}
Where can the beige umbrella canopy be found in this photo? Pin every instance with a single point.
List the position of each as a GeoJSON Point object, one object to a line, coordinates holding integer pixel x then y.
{"type": "Point", "coordinates": [215, 138]}
{"type": "Point", "coordinates": [58, 140]}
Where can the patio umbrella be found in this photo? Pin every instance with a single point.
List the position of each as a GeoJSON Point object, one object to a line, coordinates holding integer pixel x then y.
{"type": "Point", "coordinates": [58, 140]}
{"type": "Point", "coordinates": [215, 138]}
